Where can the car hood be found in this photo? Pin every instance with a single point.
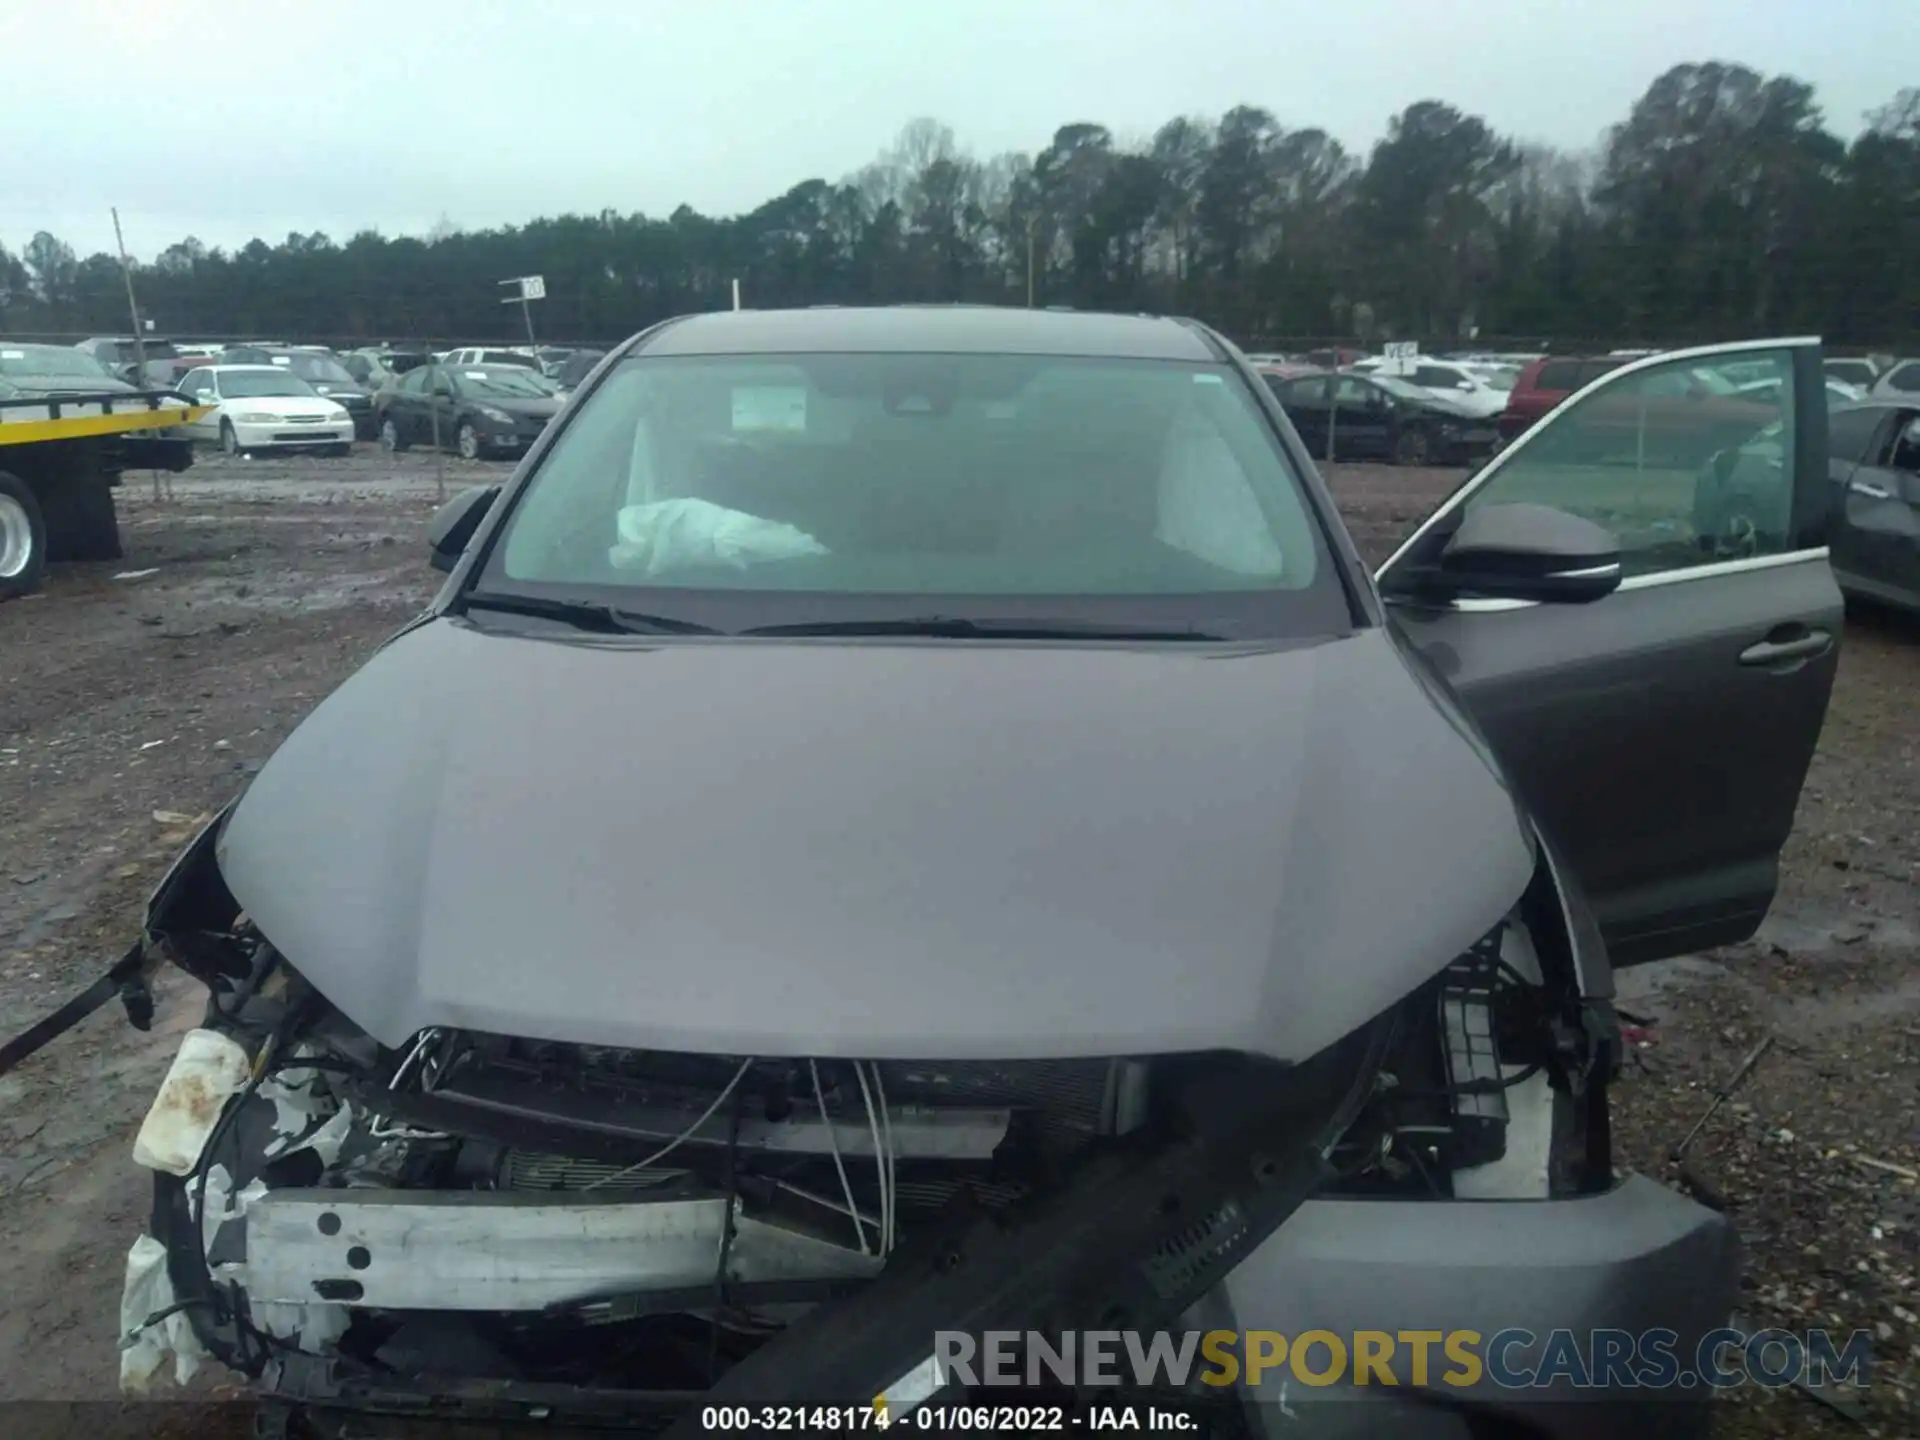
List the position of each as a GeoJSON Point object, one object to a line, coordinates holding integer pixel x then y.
{"type": "Point", "coordinates": [544, 408]}
{"type": "Point", "coordinates": [946, 850]}
{"type": "Point", "coordinates": [280, 404]}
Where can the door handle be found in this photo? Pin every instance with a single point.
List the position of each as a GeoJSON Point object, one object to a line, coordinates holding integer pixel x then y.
{"type": "Point", "coordinates": [1874, 492]}
{"type": "Point", "coordinates": [1780, 652]}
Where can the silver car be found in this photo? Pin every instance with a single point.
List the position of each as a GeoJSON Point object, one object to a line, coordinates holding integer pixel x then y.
{"type": "Point", "coordinates": [903, 824]}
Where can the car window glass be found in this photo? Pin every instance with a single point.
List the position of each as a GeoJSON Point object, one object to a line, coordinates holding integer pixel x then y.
{"type": "Point", "coordinates": [1437, 375]}
{"type": "Point", "coordinates": [261, 383]}
{"type": "Point", "coordinates": [415, 381]}
{"type": "Point", "coordinates": [981, 475]}
{"type": "Point", "coordinates": [1348, 391]}
{"type": "Point", "coordinates": [1558, 375]}
{"type": "Point", "coordinates": [1906, 449]}
{"type": "Point", "coordinates": [1849, 432]}
{"type": "Point", "coordinates": [1906, 378]}
{"type": "Point", "coordinates": [1680, 482]}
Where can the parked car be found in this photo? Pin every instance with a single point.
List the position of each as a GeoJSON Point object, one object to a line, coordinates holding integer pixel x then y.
{"type": "Point", "coordinates": [1333, 358]}
{"type": "Point", "coordinates": [1466, 387]}
{"type": "Point", "coordinates": [931, 794]}
{"type": "Point", "coordinates": [1276, 371]}
{"type": "Point", "coordinates": [1837, 392]}
{"type": "Point", "coordinates": [570, 372]}
{"type": "Point", "coordinates": [54, 372]}
{"type": "Point", "coordinates": [489, 355]}
{"type": "Point", "coordinates": [1683, 414]}
{"type": "Point", "coordinates": [30, 369]}
{"type": "Point", "coordinates": [1355, 417]}
{"type": "Point", "coordinates": [375, 367]}
{"type": "Point", "coordinates": [1875, 488]}
{"type": "Point", "coordinates": [266, 407]}
{"type": "Point", "coordinates": [1543, 384]}
{"type": "Point", "coordinates": [119, 355]}
{"type": "Point", "coordinates": [1852, 370]}
{"type": "Point", "coordinates": [551, 357]}
{"type": "Point", "coordinates": [481, 410]}
{"type": "Point", "coordinates": [321, 369]}
{"type": "Point", "coordinates": [1898, 380]}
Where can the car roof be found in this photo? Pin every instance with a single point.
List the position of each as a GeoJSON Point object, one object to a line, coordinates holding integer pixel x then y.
{"type": "Point", "coordinates": [1879, 402]}
{"type": "Point", "coordinates": [257, 369]}
{"type": "Point", "coordinates": [949, 329]}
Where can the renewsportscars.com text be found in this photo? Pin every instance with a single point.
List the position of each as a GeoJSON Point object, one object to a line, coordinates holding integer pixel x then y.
{"type": "Point", "coordinates": [1513, 1359]}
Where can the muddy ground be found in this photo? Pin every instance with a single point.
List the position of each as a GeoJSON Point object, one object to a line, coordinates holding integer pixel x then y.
{"type": "Point", "coordinates": [133, 703]}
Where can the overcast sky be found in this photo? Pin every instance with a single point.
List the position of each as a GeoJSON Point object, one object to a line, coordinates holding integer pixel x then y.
{"type": "Point", "coordinates": [275, 115]}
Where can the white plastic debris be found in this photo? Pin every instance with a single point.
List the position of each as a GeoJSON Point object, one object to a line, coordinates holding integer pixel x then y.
{"type": "Point", "coordinates": [137, 574]}
{"type": "Point", "coordinates": [225, 1205]}
{"type": "Point", "coordinates": [312, 1328]}
{"type": "Point", "coordinates": [303, 1118]}
{"type": "Point", "coordinates": [666, 534]}
{"type": "Point", "coordinates": [1207, 509]}
{"type": "Point", "coordinates": [209, 1069]}
{"type": "Point", "coordinates": [145, 1348]}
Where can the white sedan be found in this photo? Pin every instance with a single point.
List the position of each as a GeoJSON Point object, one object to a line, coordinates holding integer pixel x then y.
{"type": "Point", "coordinates": [264, 407]}
{"type": "Point", "coordinates": [1481, 393]}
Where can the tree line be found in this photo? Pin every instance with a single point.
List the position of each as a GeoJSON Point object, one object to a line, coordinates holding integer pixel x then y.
{"type": "Point", "coordinates": [1721, 206]}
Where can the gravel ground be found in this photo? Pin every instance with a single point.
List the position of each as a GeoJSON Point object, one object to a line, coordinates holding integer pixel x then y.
{"type": "Point", "coordinates": [133, 704]}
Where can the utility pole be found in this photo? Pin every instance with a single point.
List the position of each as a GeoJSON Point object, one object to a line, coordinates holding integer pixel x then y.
{"type": "Point", "coordinates": [139, 340]}
{"type": "Point", "coordinates": [1030, 220]}
{"type": "Point", "coordinates": [133, 306]}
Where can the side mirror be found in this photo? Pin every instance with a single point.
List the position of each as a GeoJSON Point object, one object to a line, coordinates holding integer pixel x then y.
{"type": "Point", "coordinates": [1529, 552]}
{"type": "Point", "coordinates": [454, 524]}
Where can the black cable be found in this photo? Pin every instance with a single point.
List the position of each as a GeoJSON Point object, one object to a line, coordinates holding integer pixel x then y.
{"type": "Point", "coordinates": [174, 1309]}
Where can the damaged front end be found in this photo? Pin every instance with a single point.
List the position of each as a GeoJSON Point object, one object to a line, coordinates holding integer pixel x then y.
{"type": "Point", "coordinates": [513, 1229]}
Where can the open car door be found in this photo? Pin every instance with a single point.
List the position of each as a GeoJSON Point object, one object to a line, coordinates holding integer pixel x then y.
{"type": "Point", "coordinates": [1659, 734]}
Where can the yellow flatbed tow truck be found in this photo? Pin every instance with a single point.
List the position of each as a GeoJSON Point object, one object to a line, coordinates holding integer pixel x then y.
{"type": "Point", "coordinates": [61, 457]}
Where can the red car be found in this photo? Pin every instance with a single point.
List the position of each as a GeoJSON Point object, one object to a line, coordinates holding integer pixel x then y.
{"type": "Point", "coordinates": [1545, 383]}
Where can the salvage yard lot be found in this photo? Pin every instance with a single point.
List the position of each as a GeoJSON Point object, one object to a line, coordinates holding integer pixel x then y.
{"type": "Point", "coordinates": [131, 706]}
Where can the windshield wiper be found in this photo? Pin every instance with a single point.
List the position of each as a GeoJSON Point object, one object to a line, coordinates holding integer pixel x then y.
{"type": "Point", "coordinates": [991, 628]}
{"type": "Point", "coordinates": [585, 614]}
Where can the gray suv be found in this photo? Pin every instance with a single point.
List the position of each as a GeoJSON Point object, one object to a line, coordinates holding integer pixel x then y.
{"type": "Point", "coordinates": [909, 823]}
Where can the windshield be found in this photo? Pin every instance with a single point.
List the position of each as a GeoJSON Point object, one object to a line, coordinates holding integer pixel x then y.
{"type": "Point", "coordinates": [514, 381]}
{"type": "Point", "coordinates": [243, 384]}
{"type": "Point", "coordinates": [1495, 377]}
{"type": "Point", "coordinates": [953, 478]}
{"type": "Point", "coordinates": [321, 369]}
{"type": "Point", "coordinates": [55, 360]}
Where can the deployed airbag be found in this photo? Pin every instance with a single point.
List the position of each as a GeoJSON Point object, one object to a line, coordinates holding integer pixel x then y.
{"type": "Point", "coordinates": [666, 535]}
